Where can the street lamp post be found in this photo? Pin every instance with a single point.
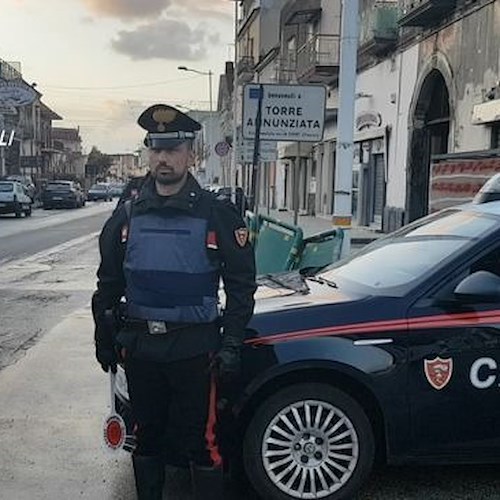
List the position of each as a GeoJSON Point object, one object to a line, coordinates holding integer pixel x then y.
{"type": "Point", "coordinates": [205, 73]}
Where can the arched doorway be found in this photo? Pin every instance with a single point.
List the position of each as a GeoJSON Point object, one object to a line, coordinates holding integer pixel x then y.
{"type": "Point", "coordinates": [429, 136]}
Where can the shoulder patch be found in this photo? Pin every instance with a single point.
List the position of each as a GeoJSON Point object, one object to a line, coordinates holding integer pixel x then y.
{"type": "Point", "coordinates": [241, 236]}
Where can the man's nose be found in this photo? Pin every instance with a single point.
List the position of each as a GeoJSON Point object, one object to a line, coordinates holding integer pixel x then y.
{"type": "Point", "coordinates": [163, 155]}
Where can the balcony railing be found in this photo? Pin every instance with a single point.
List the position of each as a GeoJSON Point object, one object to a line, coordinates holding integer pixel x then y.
{"type": "Point", "coordinates": [318, 60]}
{"type": "Point", "coordinates": [8, 72]}
{"type": "Point", "coordinates": [245, 65]}
{"type": "Point", "coordinates": [425, 13]}
{"type": "Point", "coordinates": [380, 28]}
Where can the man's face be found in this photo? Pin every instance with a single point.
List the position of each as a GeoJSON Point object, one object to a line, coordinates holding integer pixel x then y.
{"type": "Point", "coordinates": [170, 166]}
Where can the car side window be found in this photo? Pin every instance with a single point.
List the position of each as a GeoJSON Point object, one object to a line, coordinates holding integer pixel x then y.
{"type": "Point", "coordinates": [489, 262]}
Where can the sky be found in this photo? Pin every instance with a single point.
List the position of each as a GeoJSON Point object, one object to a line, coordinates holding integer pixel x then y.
{"type": "Point", "coordinates": [99, 63]}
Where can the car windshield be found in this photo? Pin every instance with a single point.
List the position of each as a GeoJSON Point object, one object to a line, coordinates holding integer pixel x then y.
{"type": "Point", "coordinates": [6, 187]}
{"type": "Point", "coordinates": [98, 187]}
{"type": "Point", "coordinates": [396, 264]}
{"type": "Point", "coordinates": [58, 187]}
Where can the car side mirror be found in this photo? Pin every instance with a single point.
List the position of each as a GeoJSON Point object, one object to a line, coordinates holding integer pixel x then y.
{"type": "Point", "coordinates": [481, 286]}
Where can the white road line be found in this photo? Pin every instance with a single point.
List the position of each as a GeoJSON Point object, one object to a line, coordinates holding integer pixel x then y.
{"type": "Point", "coordinates": [50, 251]}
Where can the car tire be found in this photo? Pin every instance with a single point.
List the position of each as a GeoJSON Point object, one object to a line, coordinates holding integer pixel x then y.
{"type": "Point", "coordinates": [349, 458]}
{"type": "Point", "coordinates": [27, 213]}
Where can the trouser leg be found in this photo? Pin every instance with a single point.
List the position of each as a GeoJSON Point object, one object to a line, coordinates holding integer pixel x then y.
{"type": "Point", "coordinates": [149, 475]}
{"type": "Point", "coordinates": [150, 398]}
{"type": "Point", "coordinates": [195, 394]}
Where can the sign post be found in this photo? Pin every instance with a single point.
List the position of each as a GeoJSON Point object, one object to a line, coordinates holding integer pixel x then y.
{"type": "Point", "coordinates": [283, 113]}
{"type": "Point", "coordinates": [256, 151]}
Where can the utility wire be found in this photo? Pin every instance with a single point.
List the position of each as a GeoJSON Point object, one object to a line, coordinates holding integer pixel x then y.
{"type": "Point", "coordinates": [139, 85]}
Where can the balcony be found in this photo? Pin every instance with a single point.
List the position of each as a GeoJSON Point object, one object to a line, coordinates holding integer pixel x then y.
{"type": "Point", "coordinates": [8, 72]}
{"type": "Point", "coordinates": [318, 60]}
{"type": "Point", "coordinates": [296, 12]}
{"type": "Point", "coordinates": [380, 29]}
{"type": "Point", "coordinates": [425, 13]}
{"type": "Point", "coordinates": [245, 69]}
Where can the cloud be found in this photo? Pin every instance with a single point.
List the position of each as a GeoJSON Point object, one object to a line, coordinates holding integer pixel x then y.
{"type": "Point", "coordinates": [218, 9]}
{"type": "Point", "coordinates": [164, 39]}
{"type": "Point", "coordinates": [127, 9]}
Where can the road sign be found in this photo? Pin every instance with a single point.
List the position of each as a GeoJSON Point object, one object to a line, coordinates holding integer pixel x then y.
{"type": "Point", "coordinates": [222, 148]}
{"type": "Point", "coordinates": [289, 112]}
{"type": "Point", "coordinates": [244, 152]}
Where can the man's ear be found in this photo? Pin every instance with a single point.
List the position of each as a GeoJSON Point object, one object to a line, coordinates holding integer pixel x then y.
{"type": "Point", "coordinates": [191, 158]}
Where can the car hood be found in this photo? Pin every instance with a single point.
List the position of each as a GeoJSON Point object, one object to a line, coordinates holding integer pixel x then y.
{"type": "Point", "coordinates": [271, 299]}
{"type": "Point", "coordinates": [280, 311]}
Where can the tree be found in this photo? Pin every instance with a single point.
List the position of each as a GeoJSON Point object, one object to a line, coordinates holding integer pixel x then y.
{"type": "Point", "coordinates": [97, 164]}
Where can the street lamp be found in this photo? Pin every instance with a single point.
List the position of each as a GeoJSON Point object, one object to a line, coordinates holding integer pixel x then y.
{"type": "Point", "coordinates": [205, 73]}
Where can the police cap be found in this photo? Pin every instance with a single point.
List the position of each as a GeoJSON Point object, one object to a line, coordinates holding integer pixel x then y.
{"type": "Point", "coordinates": [167, 127]}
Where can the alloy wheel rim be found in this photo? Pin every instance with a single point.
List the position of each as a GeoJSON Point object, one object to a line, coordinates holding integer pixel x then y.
{"type": "Point", "coordinates": [310, 449]}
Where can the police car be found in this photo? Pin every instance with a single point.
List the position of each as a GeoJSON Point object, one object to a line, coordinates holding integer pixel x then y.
{"type": "Point", "coordinates": [392, 355]}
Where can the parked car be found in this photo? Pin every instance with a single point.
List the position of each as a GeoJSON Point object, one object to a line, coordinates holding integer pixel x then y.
{"type": "Point", "coordinates": [99, 192]}
{"type": "Point", "coordinates": [62, 194]}
{"type": "Point", "coordinates": [391, 354]}
{"type": "Point", "coordinates": [116, 189]}
{"type": "Point", "coordinates": [26, 181]}
{"type": "Point", "coordinates": [14, 199]}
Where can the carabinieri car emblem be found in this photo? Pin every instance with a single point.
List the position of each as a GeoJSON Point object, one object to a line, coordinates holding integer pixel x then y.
{"type": "Point", "coordinates": [438, 372]}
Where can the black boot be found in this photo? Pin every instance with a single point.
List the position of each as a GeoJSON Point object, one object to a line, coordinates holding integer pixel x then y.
{"type": "Point", "coordinates": [149, 475]}
{"type": "Point", "coordinates": [208, 482]}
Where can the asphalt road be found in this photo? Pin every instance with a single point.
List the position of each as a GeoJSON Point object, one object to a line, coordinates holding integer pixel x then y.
{"type": "Point", "coordinates": [20, 238]}
{"type": "Point", "coordinates": [36, 254]}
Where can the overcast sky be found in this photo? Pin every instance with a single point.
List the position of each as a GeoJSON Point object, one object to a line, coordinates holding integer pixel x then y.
{"type": "Point", "coordinates": [98, 63]}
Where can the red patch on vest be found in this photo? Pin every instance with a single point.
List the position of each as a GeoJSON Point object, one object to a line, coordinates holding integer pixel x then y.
{"type": "Point", "coordinates": [212, 240]}
{"type": "Point", "coordinates": [241, 236]}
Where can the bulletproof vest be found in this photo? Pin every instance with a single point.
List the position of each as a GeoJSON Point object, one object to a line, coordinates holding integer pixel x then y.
{"type": "Point", "coordinates": [168, 274]}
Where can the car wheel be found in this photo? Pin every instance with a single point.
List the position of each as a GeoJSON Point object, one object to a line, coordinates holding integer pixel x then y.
{"type": "Point", "coordinates": [27, 212]}
{"type": "Point", "coordinates": [308, 441]}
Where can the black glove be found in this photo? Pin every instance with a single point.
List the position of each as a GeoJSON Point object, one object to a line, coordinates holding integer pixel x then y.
{"type": "Point", "coordinates": [227, 363]}
{"type": "Point", "coordinates": [107, 358]}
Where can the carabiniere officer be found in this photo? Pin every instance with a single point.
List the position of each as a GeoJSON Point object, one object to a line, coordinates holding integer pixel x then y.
{"type": "Point", "coordinates": [165, 252]}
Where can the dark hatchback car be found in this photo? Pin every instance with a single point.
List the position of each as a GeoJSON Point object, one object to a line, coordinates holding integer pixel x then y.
{"type": "Point", "coordinates": [62, 194]}
{"type": "Point", "coordinates": [100, 192]}
{"type": "Point", "coordinates": [391, 355]}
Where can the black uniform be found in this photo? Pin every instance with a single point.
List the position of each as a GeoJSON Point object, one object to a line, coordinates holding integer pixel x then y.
{"type": "Point", "coordinates": [148, 355]}
{"type": "Point", "coordinates": [175, 365]}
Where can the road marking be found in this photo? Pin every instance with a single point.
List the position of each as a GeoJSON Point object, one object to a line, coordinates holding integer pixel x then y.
{"type": "Point", "coordinates": [13, 264]}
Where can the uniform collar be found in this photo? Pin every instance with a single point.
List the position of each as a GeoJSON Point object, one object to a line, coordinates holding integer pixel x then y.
{"type": "Point", "coordinates": [186, 199]}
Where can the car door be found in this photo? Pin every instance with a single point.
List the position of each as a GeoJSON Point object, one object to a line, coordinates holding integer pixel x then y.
{"type": "Point", "coordinates": [454, 369]}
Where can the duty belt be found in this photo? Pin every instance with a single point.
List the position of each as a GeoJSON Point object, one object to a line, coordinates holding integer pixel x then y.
{"type": "Point", "coordinates": [157, 327]}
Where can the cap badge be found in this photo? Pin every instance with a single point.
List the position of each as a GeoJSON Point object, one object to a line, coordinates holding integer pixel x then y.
{"type": "Point", "coordinates": [163, 117]}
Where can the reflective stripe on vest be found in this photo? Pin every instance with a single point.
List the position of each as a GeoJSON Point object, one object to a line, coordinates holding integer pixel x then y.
{"type": "Point", "coordinates": [168, 274]}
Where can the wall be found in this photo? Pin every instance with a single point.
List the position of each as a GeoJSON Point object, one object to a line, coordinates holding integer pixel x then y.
{"type": "Point", "coordinates": [470, 47]}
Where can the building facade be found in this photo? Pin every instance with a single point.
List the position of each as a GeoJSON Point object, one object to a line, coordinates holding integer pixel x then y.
{"type": "Point", "coordinates": [69, 160]}
{"type": "Point", "coordinates": [427, 109]}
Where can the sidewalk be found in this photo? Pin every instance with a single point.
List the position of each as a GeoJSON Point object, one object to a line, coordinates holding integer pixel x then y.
{"type": "Point", "coordinates": [313, 225]}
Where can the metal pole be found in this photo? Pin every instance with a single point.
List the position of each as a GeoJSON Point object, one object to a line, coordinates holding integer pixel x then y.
{"type": "Point", "coordinates": [232, 167]}
{"type": "Point", "coordinates": [296, 196]}
{"type": "Point", "coordinates": [256, 152]}
{"type": "Point", "coordinates": [342, 216]}
{"type": "Point", "coordinates": [210, 89]}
